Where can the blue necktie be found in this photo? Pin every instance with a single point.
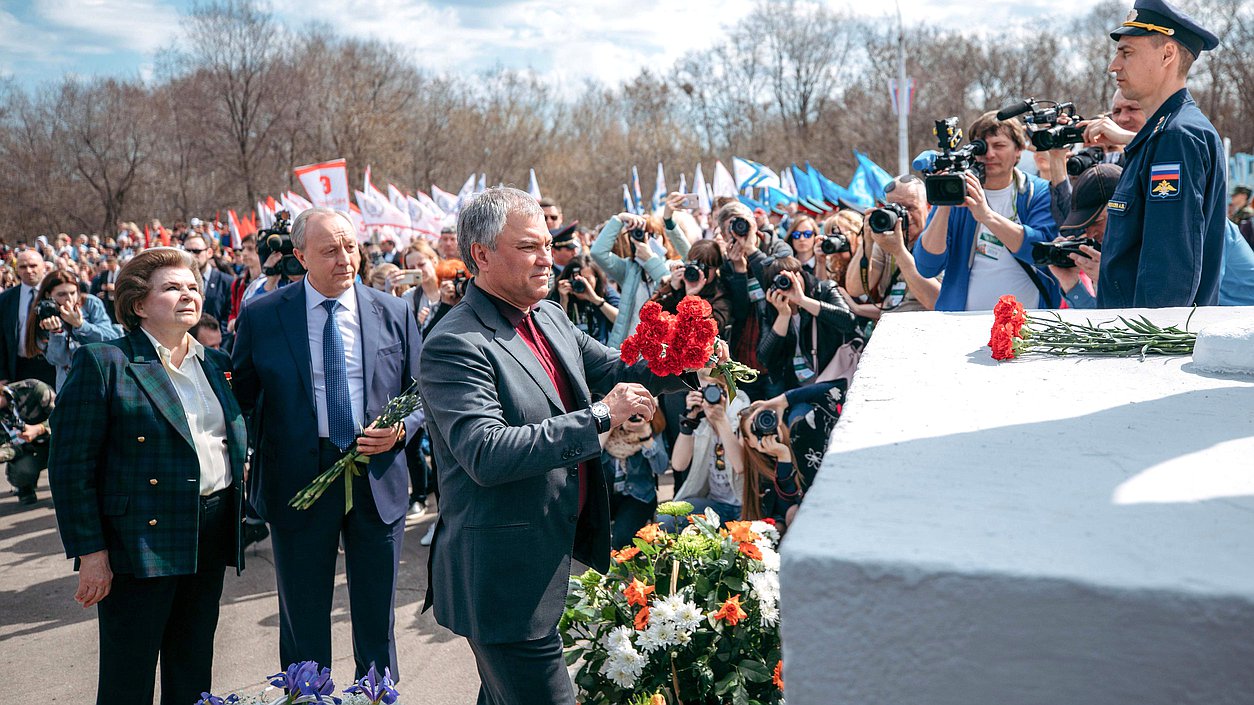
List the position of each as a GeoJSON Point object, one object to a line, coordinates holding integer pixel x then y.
{"type": "Point", "coordinates": [339, 401]}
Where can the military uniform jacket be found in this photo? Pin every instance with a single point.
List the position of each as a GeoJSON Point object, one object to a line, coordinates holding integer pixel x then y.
{"type": "Point", "coordinates": [1165, 222]}
{"type": "Point", "coordinates": [124, 473]}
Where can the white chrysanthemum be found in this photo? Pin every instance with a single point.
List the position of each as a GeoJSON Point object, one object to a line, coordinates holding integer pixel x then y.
{"type": "Point", "coordinates": [617, 640]}
{"type": "Point", "coordinates": [648, 638]}
{"type": "Point", "coordinates": [689, 616]}
{"type": "Point", "coordinates": [770, 559]}
{"type": "Point", "coordinates": [661, 611]}
{"type": "Point", "coordinates": [770, 615]}
{"type": "Point", "coordinates": [765, 586]}
{"type": "Point", "coordinates": [623, 674]}
{"type": "Point", "coordinates": [766, 530]}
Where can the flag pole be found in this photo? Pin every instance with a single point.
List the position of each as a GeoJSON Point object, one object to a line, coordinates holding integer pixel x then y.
{"type": "Point", "coordinates": [904, 95]}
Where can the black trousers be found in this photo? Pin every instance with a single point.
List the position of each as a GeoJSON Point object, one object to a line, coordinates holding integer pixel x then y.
{"type": "Point", "coordinates": [304, 566]}
{"type": "Point", "coordinates": [523, 673]}
{"type": "Point", "coordinates": [173, 617]}
{"type": "Point", "coordinates": [421, 474]}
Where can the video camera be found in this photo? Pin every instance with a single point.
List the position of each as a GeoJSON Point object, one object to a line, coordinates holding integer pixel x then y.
{"type": "Point", "coordinates": [1042, 122]}
{"type": "Point", "coordinates": [278, 238]}
{"type": "Point", "coordinates": [945, 180]}
{"type": "Point", "coordinates": [1059, 253]}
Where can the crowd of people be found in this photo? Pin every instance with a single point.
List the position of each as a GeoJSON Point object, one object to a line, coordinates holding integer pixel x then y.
{"type": "Point", "coordinates": [248, 370]}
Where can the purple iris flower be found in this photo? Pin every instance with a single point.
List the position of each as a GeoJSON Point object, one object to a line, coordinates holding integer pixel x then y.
{"type": "Point", "coordinates": [210, 699]}
{"type": "Point", "coordinates": [305, 683]}
{"type": "Point", "coordinates": [375, 689]}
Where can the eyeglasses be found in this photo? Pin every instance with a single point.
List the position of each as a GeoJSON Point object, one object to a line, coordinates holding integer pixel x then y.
{"type": "Point", "coordinates": [192, 252]}
{"type": "Point", "coordinates": [801, 234]}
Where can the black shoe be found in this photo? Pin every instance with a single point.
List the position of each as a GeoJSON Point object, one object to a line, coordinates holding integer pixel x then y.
{"type": "Point", "coordinates": [28, 497]}
{"type": "Point", "coordinates": [254, 533]}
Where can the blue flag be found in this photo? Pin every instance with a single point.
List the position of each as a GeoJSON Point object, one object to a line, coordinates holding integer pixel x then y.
{"type": "Point", "coordinates": [832, 191]}
{"type": "Point", "coordinates": [635, 191]}
{"type": "Point", "coordinates": [874, 175]}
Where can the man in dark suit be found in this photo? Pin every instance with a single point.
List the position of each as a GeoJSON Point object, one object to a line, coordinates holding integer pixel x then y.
{"type": "Point", "coordinates": [217, 283]}
{"type": "Point", "coordinates": [314, 363]}
{"type": "Point", "coordinates": [507, 381]}
{"type": "Point", "coordinates": [103, 283]}
{"type": "Point", "coordinates": [16, 304]}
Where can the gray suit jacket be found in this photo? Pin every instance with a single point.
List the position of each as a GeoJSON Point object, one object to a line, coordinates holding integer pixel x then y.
{"type": "Point", "coordinates": [508, 456]}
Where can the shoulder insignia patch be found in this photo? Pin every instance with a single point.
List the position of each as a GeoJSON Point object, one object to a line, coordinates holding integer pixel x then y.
{"type": "Point", "coordinates": [1159, 127]}
{"type": "Point", "coordinates": [1164, 180]}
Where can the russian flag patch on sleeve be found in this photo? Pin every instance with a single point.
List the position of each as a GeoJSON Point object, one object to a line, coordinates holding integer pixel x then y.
{"type": "Point", "coordinates": [1164, 181]}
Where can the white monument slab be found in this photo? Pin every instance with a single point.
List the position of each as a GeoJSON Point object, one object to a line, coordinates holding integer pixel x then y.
{"type": "Point", "coordinates": [1046, 530]}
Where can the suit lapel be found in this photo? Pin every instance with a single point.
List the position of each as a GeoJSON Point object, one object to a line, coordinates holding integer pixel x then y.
{"type": "Point", "coordinates": [236, 431]}
{"type": "Point", "coordinates": [152, 377]}
{"type": "Point", "coordinates": [567, 355]}
{"type": "Point", "coordinates": [371, 322]}
{"type": "Point", "coordinates": [294, 320]}
{"type": "Point", "coordinates": [509, 339]}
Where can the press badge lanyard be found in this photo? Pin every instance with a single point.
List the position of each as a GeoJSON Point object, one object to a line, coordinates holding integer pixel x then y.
{"type": "Point", "coordinates": [1014, 218]}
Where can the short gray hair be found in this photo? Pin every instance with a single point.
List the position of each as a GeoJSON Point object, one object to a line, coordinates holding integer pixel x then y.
{"type": "Point", "coordinates": [302, 221]}
{"type": "Point", "coordinates": [483, 218]}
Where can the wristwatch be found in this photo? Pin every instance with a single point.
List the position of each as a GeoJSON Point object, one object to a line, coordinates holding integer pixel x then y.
{"type": "Point", "coordinates": [601, 413]}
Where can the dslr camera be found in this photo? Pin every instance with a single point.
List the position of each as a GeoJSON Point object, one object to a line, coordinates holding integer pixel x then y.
{"type": "Point", "coordinates": [739, 226]}
{"type": "Point", "coordinates": [1042, 121]}
{"type": "Point", "coordinates": [47, 308]}
{"type": "Point", "coordinates": [1059, 253]}
{"type": "Point", "coordinates": [712, 394]}
{"type": "Point", "coordinates": [781, 282]}
{"type": "Point", "coordinates": [278, 238]}
{"type": "Point", "coordinates": [765, 424]}
{"type": "Point", "coordinates": [885, 218]}
{"type": "Point", "coordinates": [576, 285]}
{"type": "Point", "coordinates": [461, 280]}
{"type": "Point", "coordinates": [945, 181]}
{"type": "Point", "coordinates": [638, 235]}
{"type": "Point", "coordinates": [693, 271]}
{"type": "Point", "coordinates": [1084, 160]}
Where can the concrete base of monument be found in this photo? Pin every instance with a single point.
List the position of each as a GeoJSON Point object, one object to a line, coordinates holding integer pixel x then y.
{"type": "Point", "coordinates": [1045, 530]}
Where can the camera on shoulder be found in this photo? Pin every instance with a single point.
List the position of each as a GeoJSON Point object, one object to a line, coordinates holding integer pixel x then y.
{"type": "Point", "coordinates": [278, 238]}
{"type": "Point", "coordinates": [1042, 121]}
{"type": "Point", "coordinates": [945, 180]}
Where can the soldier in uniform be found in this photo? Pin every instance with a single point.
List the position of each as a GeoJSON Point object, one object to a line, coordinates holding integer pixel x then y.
{"type": "Point", "coordinates": [1165, 227]}
{"type": "Point", "coordinates": [24, 410]}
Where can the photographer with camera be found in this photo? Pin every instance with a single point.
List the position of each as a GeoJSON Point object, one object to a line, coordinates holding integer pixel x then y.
{"type": "Point", "coordinates": [454, 277]}
{"type": "Point", "coordinates": [701, 275]}
{"type": "Point", "coordinates": [633, 455]}
{"type": "Point", "coordinates": [812, 321]}
{"type": "Point", "coordinates": [631, 250]}
{"type": "Point", "coordinates": [588, 299]}
{"type": "Point", "coordinates": [1075, 257]}
{"type": "Point", "coordinates": [984, 245]}
{"type": "Point", "coordinates": [68, 319]}
{"type": "Point", "coordinates": [24, 410]}
{"type": "Point", "coordinates": [278, 261]}
{"type": "Point", "coordinates": [838, 245]}
{"type": "Point", "coordinates": [885, 271]}
{"type": "Point", "coordinates": [710, 452]}
{"type": "Point", "coordinates": [17, 316]}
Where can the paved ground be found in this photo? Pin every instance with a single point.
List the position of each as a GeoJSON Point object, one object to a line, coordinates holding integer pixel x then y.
{"type": "Point", "coordinates": [46, 638]}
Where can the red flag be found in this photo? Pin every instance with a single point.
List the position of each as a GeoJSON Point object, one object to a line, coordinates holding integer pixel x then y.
{"type": "Point", "coordinates": [147, 236]}
{"type": "Point", "coordinates": [234, 226]}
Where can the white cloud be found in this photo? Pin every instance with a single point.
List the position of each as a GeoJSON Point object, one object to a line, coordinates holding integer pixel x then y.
{"type": "Point", "coordinates": [139, 25]}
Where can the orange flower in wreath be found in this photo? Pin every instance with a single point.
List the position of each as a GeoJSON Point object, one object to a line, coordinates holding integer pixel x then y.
{"type": "Point", "coordinates": [751, 550]}
{"type": "Point", "coordinates": [731, 612]}
{"type": "Point", "coordinates": [778, 677]}
{"type": "Point", "coordinates": [650, 533]}
{"type": "Point", "coordinates": [741, 532]}
{"type": "Point", "coordinates": [637, 593]}
{"type": "Point", "coordinates": [625, 555]}
{"type": "Point", "coordinates": [642, 618]}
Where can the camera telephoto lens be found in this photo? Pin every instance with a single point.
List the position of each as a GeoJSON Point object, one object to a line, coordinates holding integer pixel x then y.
{"type": "Point", "coordinates": [739, 226]}
{"type": "Point", "coordinates": [882, 220]}
{"type": "Point", "coordinates": [766, 423]}
{"type": "Point", "coordinates": [692, 272]}
{"type": "Point", "coordinates": [834, 244]}
{"type": "Point", "coordinates": [712, 393]}
{"type": "Point", "coordinates": [781, 282]}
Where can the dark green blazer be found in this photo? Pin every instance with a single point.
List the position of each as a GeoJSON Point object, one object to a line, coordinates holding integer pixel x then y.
{"type": "Point", "coordinates": [123, 470]}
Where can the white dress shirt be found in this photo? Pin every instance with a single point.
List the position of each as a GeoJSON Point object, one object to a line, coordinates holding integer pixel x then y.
{"type": "Point", "coordinates": [350, 332]}
{"type": "Point", "coordinates": [205, 418]}
{"type": "Point", "coordinates": [26, 297]}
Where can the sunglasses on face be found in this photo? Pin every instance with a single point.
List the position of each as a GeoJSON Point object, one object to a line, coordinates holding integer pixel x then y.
{"type": "Point", "coordinates": [907, 179]}
{"type": "Point", "coordinates": [193, 252]}
{"type": "Point", "coordinates": [801, 234]}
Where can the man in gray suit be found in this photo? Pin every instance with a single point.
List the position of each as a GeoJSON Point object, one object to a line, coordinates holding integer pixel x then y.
{"type": "Point", "coordinates": [506, 382]}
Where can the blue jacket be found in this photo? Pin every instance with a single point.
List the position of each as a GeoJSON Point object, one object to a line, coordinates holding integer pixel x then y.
{"type": "Point", "coordinates": [96, 328]}
{"type": "Point", "coordinates": [1165, 222]}
{"type": "Point", "coordinates": [1033, 205]}
{"type": "Point", "coordinates": [635, 476]}
{"type": "Point", "coordinates": [628, 273]}
{"type": "Point", "coordinates": [1237, 286]}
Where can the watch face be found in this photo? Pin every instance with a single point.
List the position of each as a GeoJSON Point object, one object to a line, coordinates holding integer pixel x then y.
{"type": "Point", "coordinates": [600, 409]}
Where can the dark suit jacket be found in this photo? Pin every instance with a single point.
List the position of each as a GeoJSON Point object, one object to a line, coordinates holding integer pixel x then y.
{"type": "Point", "coordinates": [218, 296]}
{"type": "Point", "coordinates": [9, 344]}
{"type": "Point", "coordinates": [124, 473]}
{"type": "Point", "coordinates": [508, 456]}
{"type": "Point", "coordinates": [274, 385]}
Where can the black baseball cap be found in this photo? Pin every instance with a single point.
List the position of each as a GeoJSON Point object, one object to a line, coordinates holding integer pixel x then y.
{"type": "Point", "coordinates": [1091, 193]}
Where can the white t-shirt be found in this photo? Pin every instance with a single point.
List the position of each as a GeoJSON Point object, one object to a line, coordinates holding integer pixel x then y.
{"type": "Point", "coordinates": [994, 270]}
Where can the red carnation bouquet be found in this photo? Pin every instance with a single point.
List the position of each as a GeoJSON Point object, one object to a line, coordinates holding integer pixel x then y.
{"type": "Point", "coordinates": [687, 340]}
{"type": "Point", "coordinates": [1015, 333]}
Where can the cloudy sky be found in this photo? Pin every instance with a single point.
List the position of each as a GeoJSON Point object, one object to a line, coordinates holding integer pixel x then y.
{"type": "Point", "coordinates": [607, 40]}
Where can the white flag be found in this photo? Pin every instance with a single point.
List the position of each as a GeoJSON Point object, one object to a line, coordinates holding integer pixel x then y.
{"type": "Point", "coordinates": [377, 212]}
{"type": "Point", "coordinates": [659, 190]}
{"type": "Point", "coordinates": [396, 198]}
{"type": "Point", "coordinates": [447, 202]}
{"type": "Point", "coordinates": [724, 185]}
{"type": "Point", "coordinates": [703, 194]}
{"type": "Point", "coordinates": [533, 186]}
{"type": "Point", "coordinates": [326, 183]}
{"type": "Point", "coordinates": [750, 174]}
